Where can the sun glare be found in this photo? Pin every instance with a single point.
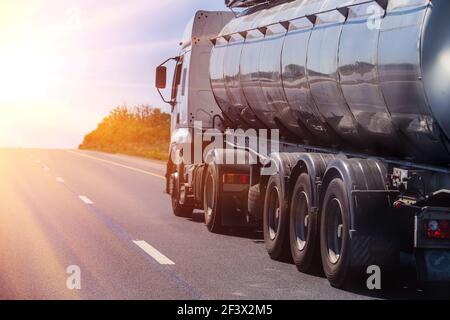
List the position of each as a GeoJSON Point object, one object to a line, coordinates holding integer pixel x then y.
{"type": "Point", "coordinates": [26, 72]}
{"type": "Point", "coordinates": [28, 67]}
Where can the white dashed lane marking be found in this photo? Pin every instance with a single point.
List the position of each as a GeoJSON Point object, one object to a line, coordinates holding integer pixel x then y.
{"type": "Point", "coordinates": [141, 244]}
{"type": "Point", "coordinates": [152, 252]}
{"type": "Point", "coordinates": [86, 200]}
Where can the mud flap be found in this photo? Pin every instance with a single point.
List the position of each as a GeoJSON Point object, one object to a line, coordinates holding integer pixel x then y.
{"type": "Point", "coordinates": [433, 265]}
{"type": "Point", "coordinates": [234, 206]}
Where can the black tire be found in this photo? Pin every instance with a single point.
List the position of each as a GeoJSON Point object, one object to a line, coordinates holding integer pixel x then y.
{"type": "Point", "coordinates": [254, 203]}
{"type": "Point", "coordinates": [276, 221]}
{"type": "Point", "coordinates": [212, 201]}
{"type": "Point", "coordinates": [304, 226]}
{"type": "Point", "coordinates": [335, 235]}
{"type": "Point", "coordinates": [178, 209]}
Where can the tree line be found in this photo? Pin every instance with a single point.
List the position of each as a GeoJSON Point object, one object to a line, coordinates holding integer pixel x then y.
{"type": "Point", "coordinates": [140, 131]}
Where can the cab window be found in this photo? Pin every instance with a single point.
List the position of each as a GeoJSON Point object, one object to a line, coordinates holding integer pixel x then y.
{"type": "Point", "coordinates": [183, 85]}
{"type": "Point", "coordinates": [177, 79]}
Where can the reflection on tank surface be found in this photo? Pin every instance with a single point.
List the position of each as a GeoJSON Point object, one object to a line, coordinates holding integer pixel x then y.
{"type": "Point", "coordinates": [341, 78]}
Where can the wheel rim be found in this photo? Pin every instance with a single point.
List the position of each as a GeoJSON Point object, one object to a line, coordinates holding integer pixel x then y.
{"type": "Point", "coordinates": [274, 212]}
{"type": "Point", "coordinates": [335, 230]}
{"type": "Point", "coordinates": [209, 195]}
{"type": "Point", "coordinates": [301, 216]}
{"type": "Point", "coordinates": [174, 202]}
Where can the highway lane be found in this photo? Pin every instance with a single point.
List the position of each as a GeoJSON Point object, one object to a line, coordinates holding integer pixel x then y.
{"type": "Point", "coordinates": [45, 228]}
{"type": "Point", "coordinates": [108, 215]}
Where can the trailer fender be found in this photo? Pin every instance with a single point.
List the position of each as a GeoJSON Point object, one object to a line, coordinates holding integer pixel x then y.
{"type": "Point", "coordinates": [233, 203]}
{"type": "Point", "coordinates": [290, 165]}
{"type": "Point", "coordinates": [315, 164]}
{"type": "Point", "coordinates": [371, 223]}
{"type": "Point", "coordinates": [366, 181]}
{"type": "Point", "coordinates": [228, 159]}
{"type": "Point", "coordinates": [218, 158]}
{"type": "Point", "coordinates": [284, 164]}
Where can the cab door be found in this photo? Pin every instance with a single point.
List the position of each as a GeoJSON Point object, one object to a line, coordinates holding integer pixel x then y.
{"type": "Point", "coordinates": [180, 92]}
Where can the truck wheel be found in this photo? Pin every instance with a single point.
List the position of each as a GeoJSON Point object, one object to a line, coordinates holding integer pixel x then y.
{"type": "Point", "coordinates": [304, 226]}
{"type": "Point", "coordinates": [334, 234]}
{"type": "Point", "coordinates": [276, 221]}
{"type": "Point", "coordinates": [211, 200]}
{"type": "Point", "coordinates": [179, 209]}
{"type": "Point", "coordinates": [254, 203]}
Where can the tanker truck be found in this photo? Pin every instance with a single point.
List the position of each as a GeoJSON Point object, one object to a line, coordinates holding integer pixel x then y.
{"type": "Point", "coordinates": [324, 122]}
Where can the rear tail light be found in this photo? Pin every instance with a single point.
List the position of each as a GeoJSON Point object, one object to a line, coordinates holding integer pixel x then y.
{"type": "Point", "coordinates": [437, 229]}
{"type": "Point", "coordinates": [236, 178]}
{"type": "Point", "coordinates": [398, 205]}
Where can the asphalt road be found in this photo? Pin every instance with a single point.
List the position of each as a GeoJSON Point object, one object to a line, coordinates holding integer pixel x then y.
{"type": "Point", "coordinates": [107, 217]}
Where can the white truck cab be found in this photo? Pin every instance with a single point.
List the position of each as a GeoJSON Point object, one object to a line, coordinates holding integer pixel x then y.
{"type": "Point", "coordinates": [192, 98]}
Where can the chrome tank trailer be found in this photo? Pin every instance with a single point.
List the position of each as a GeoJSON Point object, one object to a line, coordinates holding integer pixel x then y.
{"type": "Point", "coordinates": [364, 76]}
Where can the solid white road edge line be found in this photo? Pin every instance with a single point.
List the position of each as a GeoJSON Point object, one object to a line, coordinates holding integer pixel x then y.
{"type": "Point", "coordinates": [118, 165]}
{"type": "Point", "coordinates": [152, 252]}
{"type": "Point", "coordinates": [86, 200]}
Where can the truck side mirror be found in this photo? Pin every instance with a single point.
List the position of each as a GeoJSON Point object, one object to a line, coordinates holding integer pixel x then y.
{"type": "Point", "coordinates": [161, 77]}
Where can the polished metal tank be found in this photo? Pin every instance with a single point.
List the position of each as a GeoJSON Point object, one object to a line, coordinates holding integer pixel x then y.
{"type": "Point", "coordinates": [358, 75]}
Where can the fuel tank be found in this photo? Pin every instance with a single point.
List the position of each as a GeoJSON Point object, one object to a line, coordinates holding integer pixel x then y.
{"type": "Point", "coordinates": [365, 76]}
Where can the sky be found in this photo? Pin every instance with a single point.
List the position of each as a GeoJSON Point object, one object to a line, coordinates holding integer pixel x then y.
{"type": "Point", "coordinates": [65, 64]}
